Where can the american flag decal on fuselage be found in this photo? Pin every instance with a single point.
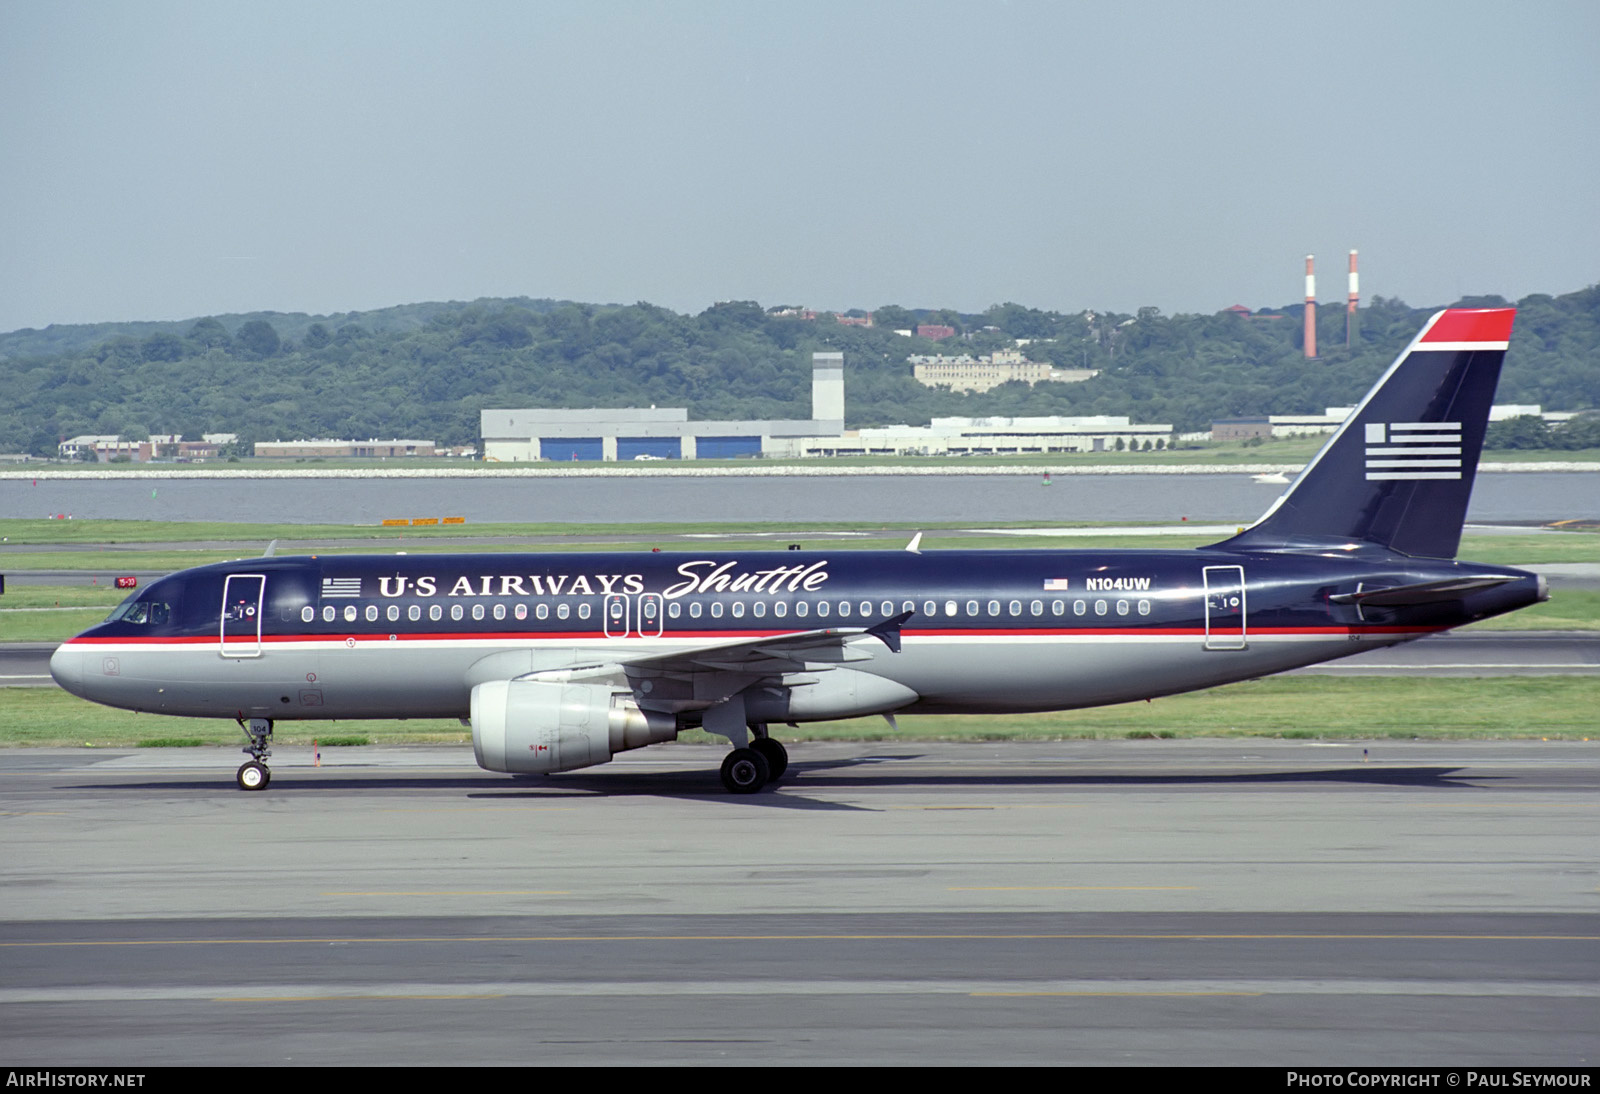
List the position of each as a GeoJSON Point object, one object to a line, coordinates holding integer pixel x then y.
{"type": "Point", "coordinates": [341, 588]}
{"type": "Point", "coordinates": [1413, 450]}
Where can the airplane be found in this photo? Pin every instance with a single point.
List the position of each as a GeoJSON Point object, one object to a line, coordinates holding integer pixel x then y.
{"type": "Point", "coordinates": [560, 661]}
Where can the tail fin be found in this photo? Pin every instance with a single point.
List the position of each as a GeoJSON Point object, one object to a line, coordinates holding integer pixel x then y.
{"type": "Point", "coordinates": [1398, 473]}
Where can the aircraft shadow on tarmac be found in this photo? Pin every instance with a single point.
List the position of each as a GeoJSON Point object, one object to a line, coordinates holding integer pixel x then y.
{"type": "Point", "coordinates": [862, 772]}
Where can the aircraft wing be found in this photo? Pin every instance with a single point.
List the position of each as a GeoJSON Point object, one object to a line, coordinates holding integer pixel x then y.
{"type": "Point", "coordinates": [776, 653]}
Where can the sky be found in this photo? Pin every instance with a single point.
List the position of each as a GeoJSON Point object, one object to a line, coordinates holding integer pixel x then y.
{"type": "Point", "coordinates": [163, 160]}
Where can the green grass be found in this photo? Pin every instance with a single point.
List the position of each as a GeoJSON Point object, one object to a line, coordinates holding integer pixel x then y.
{"type": "Point", "coordinates": [1335, 708]}
{"type": "Point", "coordinates": [26, 531]}
{"type": "Point", "coordinates": [47, 626]}
{"type": "Point", "coordinates": [80, 595]}
{"type": "Point", "coordinates": [1566, 610]}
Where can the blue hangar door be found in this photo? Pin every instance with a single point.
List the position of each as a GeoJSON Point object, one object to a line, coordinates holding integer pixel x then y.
{"type": "Point", "coordinates": [662, 448]}
{"type": "Point", "coordinates": [570, 448]}
{"type": "Point", "coordinates": [722, 448]}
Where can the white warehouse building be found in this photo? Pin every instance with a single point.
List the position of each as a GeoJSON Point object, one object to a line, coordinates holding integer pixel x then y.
{"type": "Point", "coordinates": [634, 433]}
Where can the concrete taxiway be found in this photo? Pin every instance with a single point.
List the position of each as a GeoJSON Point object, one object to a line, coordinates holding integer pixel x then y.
{"type": "Point", "coordinates": [1190, 902]}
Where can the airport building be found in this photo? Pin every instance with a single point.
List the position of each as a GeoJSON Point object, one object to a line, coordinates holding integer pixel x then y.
{"type": "Point", "coordinates": [633, 433]}
{"type": "Point", "coordinates": [985, 437]}
{"type": "Point", "coordinates": [1299, 425]}
{"type": "Point", "coordinates": [512, 436]}
{"type": "Point", "coordinates": [332, 449]}
{"type": "Point", "coordinates": [968, 373]}
{"type": "Point", "coordinates": [104, 447]}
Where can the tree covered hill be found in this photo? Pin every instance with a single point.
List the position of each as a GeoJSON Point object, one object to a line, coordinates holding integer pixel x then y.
{"type": "Point", "coordinates": [426, 370]}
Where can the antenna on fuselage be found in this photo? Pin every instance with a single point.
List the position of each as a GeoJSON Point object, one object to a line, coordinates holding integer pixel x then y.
{"type": "Point", "coordinates": [915, 546]}
{"type": "Point", "coordinates": [272, 549]}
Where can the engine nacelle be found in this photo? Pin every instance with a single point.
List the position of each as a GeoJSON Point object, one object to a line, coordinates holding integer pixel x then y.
{"type": "Point", "coordinates": [537, 726]}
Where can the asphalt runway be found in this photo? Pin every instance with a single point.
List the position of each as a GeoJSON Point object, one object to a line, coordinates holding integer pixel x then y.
{"type": "Point", "coordinates": [1172, 902]}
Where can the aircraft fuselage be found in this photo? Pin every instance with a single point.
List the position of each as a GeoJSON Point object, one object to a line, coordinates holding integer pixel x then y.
{"type": "Point", "coordinates": [989, 632]}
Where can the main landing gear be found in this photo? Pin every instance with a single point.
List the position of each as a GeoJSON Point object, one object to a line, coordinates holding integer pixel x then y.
{"type": "Point", "coordinates": [747, 770]}
{"type": "Point", "coordinates": [254, 773]}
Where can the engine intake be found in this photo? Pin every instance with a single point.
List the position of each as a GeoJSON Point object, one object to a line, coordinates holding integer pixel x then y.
{"type": "Point", "coordinates": [536, 726]}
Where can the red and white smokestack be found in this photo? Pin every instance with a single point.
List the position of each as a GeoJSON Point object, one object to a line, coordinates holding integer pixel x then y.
{"type": "Point", "coordinates": [1311, 307]}
{"type": "Point", "coordinates": [1350, 317]}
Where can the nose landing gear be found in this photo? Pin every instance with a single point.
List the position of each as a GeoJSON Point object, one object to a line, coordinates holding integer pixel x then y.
{"type": "Point", "coordinates": [254, 774]}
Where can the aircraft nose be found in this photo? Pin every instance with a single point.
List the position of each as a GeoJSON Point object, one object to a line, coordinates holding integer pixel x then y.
{"type": "Point", "coordinates": [66, 665]}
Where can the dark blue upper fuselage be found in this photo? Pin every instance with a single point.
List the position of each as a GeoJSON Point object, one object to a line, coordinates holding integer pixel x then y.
{"type": "Point", "coordinates": [767, 592]}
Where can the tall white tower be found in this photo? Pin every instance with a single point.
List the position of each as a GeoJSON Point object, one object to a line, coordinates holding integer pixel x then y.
{"type": "Point", "coordinates": [827, 387]}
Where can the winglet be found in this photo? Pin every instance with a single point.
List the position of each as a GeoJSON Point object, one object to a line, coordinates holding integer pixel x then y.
{"type": "Point", "coordinates": [915, 546]}
{"type": "Point", "coordinates": [889, 630]}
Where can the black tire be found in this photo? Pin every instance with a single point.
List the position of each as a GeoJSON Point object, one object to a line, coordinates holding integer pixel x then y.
{"type": "Point", "coordinates": [775, 754]}
{"type": "Point", "coordinates": [253, 776]}
{"type": "Point", "coordinates": [745, 771]}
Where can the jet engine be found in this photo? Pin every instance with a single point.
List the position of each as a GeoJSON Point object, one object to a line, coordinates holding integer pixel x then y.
{"type": "Point", "coordinates": [538, 726]}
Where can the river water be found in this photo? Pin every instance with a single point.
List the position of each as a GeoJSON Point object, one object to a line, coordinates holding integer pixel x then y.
{"type": "Point", "coordinates": [1229, 498]}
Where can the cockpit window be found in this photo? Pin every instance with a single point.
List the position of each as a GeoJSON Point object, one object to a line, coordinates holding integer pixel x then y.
{"type": "Point", "coordinates": [140, 609]}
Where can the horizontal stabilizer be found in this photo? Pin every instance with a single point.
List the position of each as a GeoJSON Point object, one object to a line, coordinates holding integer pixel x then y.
{"type": "Point", "coordinates": [1425, 592]}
